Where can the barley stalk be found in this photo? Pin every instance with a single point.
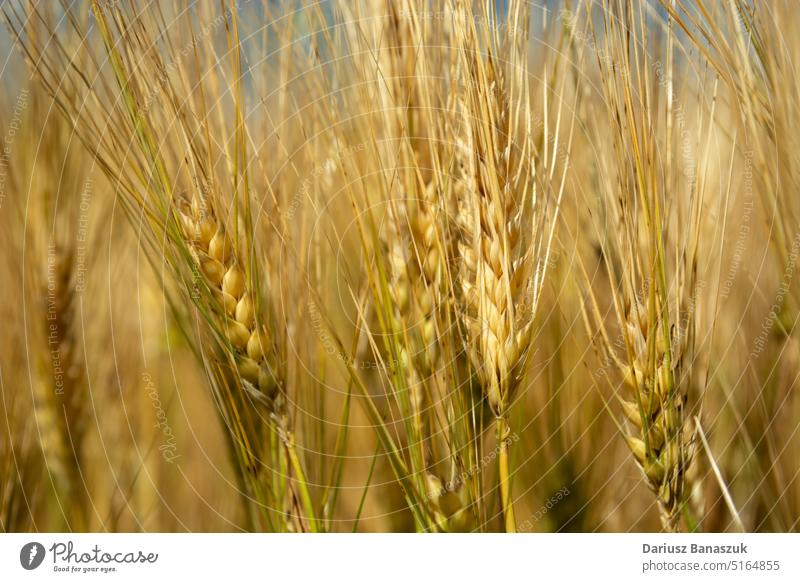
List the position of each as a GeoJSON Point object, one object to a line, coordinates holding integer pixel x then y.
{"type": "Point", "coordinates": [659, 436]}
{"type": "Point", "coordinates": [653, 274]}
{"type": "Point", "coordinates": [416, 276]}
{"type": "Point", "coordinates": [498, 286]}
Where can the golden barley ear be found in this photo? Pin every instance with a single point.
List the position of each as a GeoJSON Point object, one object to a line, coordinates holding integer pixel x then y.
{"type": "Point", "coordinates": [652, 273]}
{"type": "Point", "coordinates": [232, 301]}
{"type": "Point", "coordinates": [660, 438]}
{"type": "Point", "coordinates": [496, 267]}
{"type": "Point", "coordinates": [505, 228]}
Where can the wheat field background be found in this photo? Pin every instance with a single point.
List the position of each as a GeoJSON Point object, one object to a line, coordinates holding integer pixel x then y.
{"type": "Point", "coordinates": [390, 266]}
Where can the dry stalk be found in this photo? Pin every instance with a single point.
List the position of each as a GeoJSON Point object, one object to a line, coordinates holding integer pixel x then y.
{"type": "Point", "coordinates": [498, 278]}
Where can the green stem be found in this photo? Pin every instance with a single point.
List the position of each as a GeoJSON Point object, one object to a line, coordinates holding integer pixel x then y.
{"type": "Point", "coordinates": [300, 478]}
{"type": "Point", "coordinates": [501, 424]}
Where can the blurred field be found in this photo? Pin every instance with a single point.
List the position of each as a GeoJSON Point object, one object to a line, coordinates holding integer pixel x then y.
{"type": "Point", "coordinates": [398, 266]}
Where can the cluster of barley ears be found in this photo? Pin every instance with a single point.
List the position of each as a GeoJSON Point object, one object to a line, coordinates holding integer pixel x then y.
{"type": "Point", "coordinates": [416, 251]}
{"type": "Point", "coordinates": [45, 186]}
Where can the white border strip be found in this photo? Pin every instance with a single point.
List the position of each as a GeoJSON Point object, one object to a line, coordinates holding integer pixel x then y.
{"type": "Point", "coordinates": [400, 557]}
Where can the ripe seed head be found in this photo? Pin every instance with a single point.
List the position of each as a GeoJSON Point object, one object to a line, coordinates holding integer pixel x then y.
{"type": "Point", "coordinates": [212, 270]}
{"type": "Point", "coordinates": [245, 312]}
{"type": "Point", "coordinates": [233, 283]}
{"type": "Point", "coordinates": [248, 369]}
{"type": "Point", "coordinates": [256, 345]}
{"type": "Point", "coordinates": [237, 334]}
{"type": "Point", "coordinates": [219, 247]}
{"type": "Point", "coordinates": [637, 448]}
